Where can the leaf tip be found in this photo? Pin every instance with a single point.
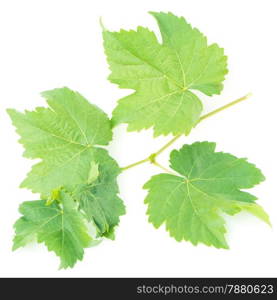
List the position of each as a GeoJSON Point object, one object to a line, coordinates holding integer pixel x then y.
{"type": "Point", "coordinates": [152, 13]}
{"type": "Point", "coordinates": [9, 110]}
{"type": "Point", "coordinates": [12, 113]}
{"type": "Point", "coordinates": [15, 247]}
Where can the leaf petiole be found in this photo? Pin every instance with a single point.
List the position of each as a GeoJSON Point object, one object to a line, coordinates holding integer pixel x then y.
{"type": "Point", "coordinates": [163, 168]}
{"type": "Point", "coordinates": [224, 107]}
{"type": "Point", "coordinates": [152, 158]}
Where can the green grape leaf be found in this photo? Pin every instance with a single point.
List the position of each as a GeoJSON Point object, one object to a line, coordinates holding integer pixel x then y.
{"type": "Point", "coordinates": [163, 75]}
{"type": "Point", "coordinates": [209, 184]}
{"type": "Point", "coordinates": [99, 201]}
{"type": "Point", "coordinates": [64, 137]}
{"type": "Point", "coordinates": [60, 226]}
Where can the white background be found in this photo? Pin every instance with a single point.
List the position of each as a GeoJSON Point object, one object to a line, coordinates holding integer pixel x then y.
{"type": "Point", "coordinates": [49, 44]}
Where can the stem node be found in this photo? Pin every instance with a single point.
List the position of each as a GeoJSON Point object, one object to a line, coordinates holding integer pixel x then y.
{"type": "Point", "coordinates": [152, 158]}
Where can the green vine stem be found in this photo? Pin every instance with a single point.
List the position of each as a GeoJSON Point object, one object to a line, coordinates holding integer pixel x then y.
{"type": "Point", "coordinates": [152, 157]}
